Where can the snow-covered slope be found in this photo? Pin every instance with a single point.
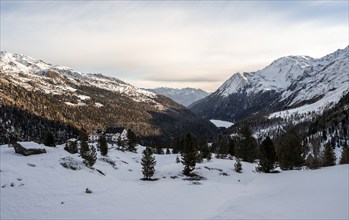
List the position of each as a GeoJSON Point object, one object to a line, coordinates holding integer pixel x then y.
{"type": "Point", "coordinates": [90, 101]}
{"type": "Point", "coordinates": [38, 187]}
{"type": "Point", "coordinates": [221, 124]}
{"type": "Point", "coordinates": [185, 96]}
{"type": "Point", "coordinates": [286, 83]}
{"type": "Point", "coordinates": [38, 75]}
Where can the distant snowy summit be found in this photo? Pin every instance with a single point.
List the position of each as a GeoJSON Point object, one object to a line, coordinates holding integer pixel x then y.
{"type": "Point", "coordinates": [287, 83]}
{"type": "Point", "coordinates": [38, 75]}
{"type": "Point", "coordinates": [185, 96]}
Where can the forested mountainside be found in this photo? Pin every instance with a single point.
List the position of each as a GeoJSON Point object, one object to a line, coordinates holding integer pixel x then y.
{"type": "Point", "coordinates": [91, 101]}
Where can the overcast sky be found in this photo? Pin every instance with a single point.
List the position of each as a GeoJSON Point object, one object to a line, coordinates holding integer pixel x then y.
{"type": "Point", "coordinates": [173, 43]}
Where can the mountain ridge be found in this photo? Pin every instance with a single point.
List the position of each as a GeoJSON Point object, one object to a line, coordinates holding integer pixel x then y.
{"type": "Point", "coordinates": [286, 83]}
{"type": "Point", "coordinates": [185, 96]}
{"type": "Point", "coordinates": [89, 101]}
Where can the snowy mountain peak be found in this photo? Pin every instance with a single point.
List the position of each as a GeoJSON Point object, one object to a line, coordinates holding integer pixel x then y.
{"type": "Point", "coordinates": [286, 83]}
{"type": "Point", "coordinates": [236, 82]}
{"type": "Point", "coordinates": [34, 74]}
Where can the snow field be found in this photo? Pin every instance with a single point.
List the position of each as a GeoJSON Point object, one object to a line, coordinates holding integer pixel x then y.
{"type": "Point", "coordinates": [50, 191]}
{"type": "Point", "coordinates": [220, 123]}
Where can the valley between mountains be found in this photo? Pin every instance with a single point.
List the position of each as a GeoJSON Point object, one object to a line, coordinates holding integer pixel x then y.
{"type": "Point", "coordinates": [269, 144]}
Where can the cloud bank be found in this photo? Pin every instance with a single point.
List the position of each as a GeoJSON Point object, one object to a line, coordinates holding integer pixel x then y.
{"type": "Point", "coordinates": [177, 44]}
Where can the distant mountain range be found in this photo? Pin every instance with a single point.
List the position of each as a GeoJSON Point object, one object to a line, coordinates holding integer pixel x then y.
{"type": "Point", "coordinates": [90, 101]}
{"type": "Point", "coordinates": [298, 83]}
{"type": "Point", "coordinates": [185, 96]}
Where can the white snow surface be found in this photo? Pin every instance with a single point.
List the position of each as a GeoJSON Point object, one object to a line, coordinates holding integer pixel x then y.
{"type": "Point", "coordinates": [43, 189]}
{"type": "Point", "coordinates": [220, 123]}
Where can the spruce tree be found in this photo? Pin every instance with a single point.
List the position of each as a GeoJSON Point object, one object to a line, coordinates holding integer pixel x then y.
{"type": "Point", "coordinates": [313, 161]}
{"type": "Point", "coordinates": [222, 145]}
{"type": "Point", "coordinates": [345, 155]}
{"type": "Point", "coordinates": [84, 148]}
{"type": "Point", "coordinates": [90, 157]}
{"type": "Point", "coordinates": [49, 140]}
{"type": "Point", "coordinates": [103, 145]}
{"type": "Point", "coordinates": [231, 147]}
{"type": "Point", "coordinates": [247, 144]}
{"type": "Point", "coordinates": [72, 147]}
{"type": "Point", "coordinates": [132, 140]}
{"type": "Point", "coordinates": [188, 154]}
{"type": "Point", "coordinates": [199, 157]}
{"type": "Point", "coordinates": [203, 146]}
{"type": "Point", "coordinates": [158, 146]}
{"type": "Point", "coordinates": [148, 164]}
{"type": "Point", "coordinates": [328, 156]}
{"type": "Point", "coordinates": [267, 156]}
{"type": "Point", "coordinates": [120, 143]}
{"type": "Point", "coordinates": [291, 150]}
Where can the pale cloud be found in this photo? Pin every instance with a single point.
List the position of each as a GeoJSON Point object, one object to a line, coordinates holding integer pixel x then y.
{"type": "Point", "coordinates": [197, 44]}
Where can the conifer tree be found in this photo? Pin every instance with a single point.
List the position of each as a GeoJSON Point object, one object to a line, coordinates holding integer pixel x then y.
{"type": "Point", "coordinates": [103, 145]}
{"type": "Point", "coordinates": [345, 155]}
{"type": "Point", "coordinates": [84, 148]}
{"type": "Point", "coordinates": [267, 155]}
{"type": "Point", "coordinates": [209, 156]}
{"type": "Point", "coordinates": [199, 157]}
{"type": "Point", "coordinates": [158, 146]}
{"type": "Point", "coordinates": [176, 145]}
{"type": "Point", "coordinates": [312, 160]}
{"type": "Point", "coordinates": [328, 156]}
{"type": "Point", "coordinates": [72, 147]}
{"type": "Point", "coordinates": [132, 140]}
{"type": "Point", "coordinates": [188, 154]}
{"type": "Point", "coordinates": [120, 143]}
{"type": "Point", "coordinates": [231, 147]}
{"type": "Point", "coordinates": [222, 147]}
{"type": "Point", "coordinates": [247, 144]}
{"type": "Point", "coordinates": [203, 146]}
{"type": "Point", "coordinates": [148, 164]}
{"type": "Point", "coordinates": [49, 140]}
{"type": "Point", "coordinates": [291, 150]}
{"type": "Point", "coordinates": [90, 157]}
